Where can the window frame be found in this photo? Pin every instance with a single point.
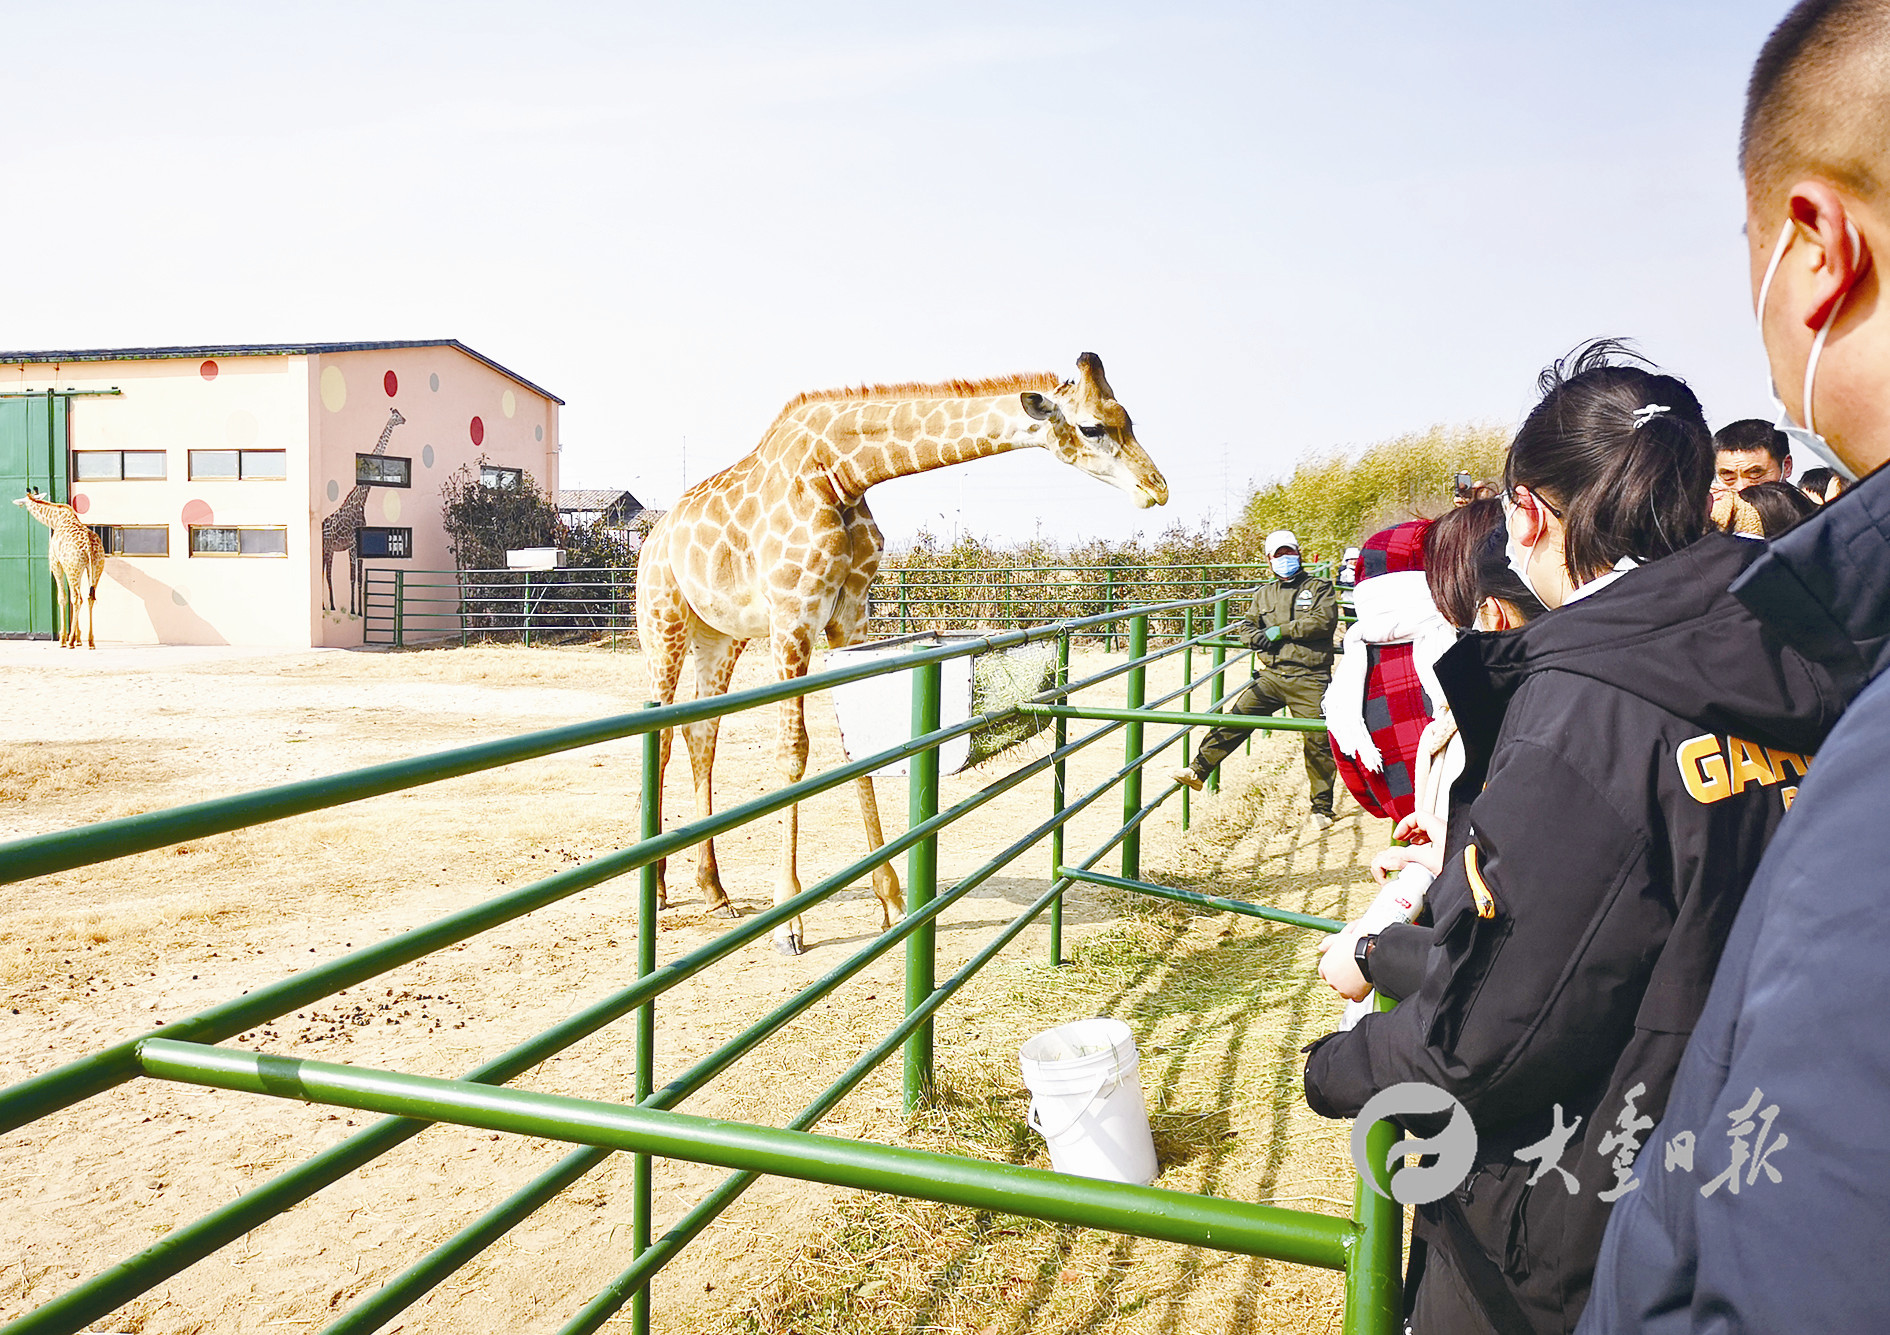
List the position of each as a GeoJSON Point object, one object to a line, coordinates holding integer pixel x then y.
{"type": "Point", "coordinates": [119, 476]}
{"type": "Point", "coordinates": [405, 461]}
{"type": "Point", "coordinates": [406, 541]}
{"type": "Point", "coordinates": [108, 534]}
{"type": "Point", "coordinates": [239, 530]}
{"type": "Point", "coordinates": [239, 475]}
{"type": "Point", "coordinates": [515, 477]}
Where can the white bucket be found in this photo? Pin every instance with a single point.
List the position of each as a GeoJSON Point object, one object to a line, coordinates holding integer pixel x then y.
{"type": "Point", "coordinates": [1086, 1101]}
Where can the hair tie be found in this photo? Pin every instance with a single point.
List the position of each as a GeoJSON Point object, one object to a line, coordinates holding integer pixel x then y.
{"type": "Point", "coordinates": [1647, 412]}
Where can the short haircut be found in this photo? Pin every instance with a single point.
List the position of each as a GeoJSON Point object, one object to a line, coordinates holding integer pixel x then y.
{"type": "Point", "coordinates": [1818, 99]}
{"type": "Point", "coordinates": [1753, 433]}
{"type": "Point", "coordinates": [1780, 505]}
{"type": "Point", "coordinates": [1818, 480]}
{"type": "Point", "coordinates": [1622, 452]}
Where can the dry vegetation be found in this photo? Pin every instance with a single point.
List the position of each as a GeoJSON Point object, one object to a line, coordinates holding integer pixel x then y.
{"type": "Point", "coordinates": [1220, 1008]}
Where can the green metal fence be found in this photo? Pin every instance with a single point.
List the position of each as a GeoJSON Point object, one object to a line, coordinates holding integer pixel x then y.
{"type": "Point", "coordinates": [1367, 1246]}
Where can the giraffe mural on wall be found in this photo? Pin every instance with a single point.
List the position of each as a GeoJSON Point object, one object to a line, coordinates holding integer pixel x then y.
{"type": "Point", "coordinates": [73, 552]}
{"type": "Point", "coordinates": [781, 544]}
{"type": "Point", "coordinates": [340, 531]}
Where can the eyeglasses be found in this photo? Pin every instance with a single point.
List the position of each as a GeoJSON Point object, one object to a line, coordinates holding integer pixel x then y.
{"type": "Point", "coordinates": [1509, 499]}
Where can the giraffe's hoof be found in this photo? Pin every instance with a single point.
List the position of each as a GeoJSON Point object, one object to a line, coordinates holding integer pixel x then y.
{"type": "Point", "coordinates": [725, 910]}
{"type": "Point", "coordinates": [789, 944]}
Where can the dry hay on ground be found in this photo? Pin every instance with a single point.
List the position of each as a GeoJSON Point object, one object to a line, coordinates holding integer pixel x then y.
{"type": "Point", "coordinates": [95, 955]}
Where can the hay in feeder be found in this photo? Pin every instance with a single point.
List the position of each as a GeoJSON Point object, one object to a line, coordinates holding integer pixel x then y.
{"type": "Point", "coordinates": [1000, 681]}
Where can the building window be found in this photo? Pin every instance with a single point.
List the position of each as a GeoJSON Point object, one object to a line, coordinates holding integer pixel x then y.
{"type": "Point", "coordinates": [383, 470]}
{"type": "Point", "coordinates": [134, 539]}
{"type": "Point", "coordinates": [243, 540]}
{"type": "Point", "coordinates": [500, 477]}
{"type": "Point", "coordinates": [248, 465]}
{"type": "Point", "coordinates": [130, 465]}
{"type": "Point", "coordinates": [393, 543]}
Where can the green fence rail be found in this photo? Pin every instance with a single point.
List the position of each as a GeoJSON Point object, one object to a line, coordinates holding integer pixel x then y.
{"type": "Point", "coordinates": [1367, 1246]}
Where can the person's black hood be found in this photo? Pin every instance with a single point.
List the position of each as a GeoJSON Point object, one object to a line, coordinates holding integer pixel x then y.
{"type": "Point", "coordinates": [1671, 633]}
{"type": "Point", "coordinates": [1825, 586]}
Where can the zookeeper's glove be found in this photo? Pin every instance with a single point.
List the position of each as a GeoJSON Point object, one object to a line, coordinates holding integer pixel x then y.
{"type": "Point", "coordinates": [1273, 634]}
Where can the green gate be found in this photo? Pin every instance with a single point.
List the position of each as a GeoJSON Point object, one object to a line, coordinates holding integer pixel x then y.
{"type": "Point", "coordinates": [32, 453]}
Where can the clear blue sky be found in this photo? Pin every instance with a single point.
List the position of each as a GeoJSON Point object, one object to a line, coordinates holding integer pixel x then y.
{"type": "Point", "coordinates": [1282, 227]}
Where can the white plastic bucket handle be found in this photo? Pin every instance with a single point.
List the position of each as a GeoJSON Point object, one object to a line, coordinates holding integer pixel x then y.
{"type": "Point", "coordinates": [1108, 1079]}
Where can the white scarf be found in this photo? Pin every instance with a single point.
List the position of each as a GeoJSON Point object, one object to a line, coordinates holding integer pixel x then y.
{"type": "Point", "coordinates": [1392, 609]}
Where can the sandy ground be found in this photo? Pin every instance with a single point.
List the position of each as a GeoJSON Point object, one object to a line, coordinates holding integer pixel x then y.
{"type": "Point", "coordinates": [108, 952]}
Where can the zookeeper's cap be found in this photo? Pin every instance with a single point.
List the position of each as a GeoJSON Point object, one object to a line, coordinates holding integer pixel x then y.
{"type": "Point", "coordinates": [1281, 537]}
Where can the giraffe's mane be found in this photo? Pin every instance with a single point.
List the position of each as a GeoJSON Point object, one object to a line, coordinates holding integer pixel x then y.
{"type": "Point", "coordinates": [1041, 381]}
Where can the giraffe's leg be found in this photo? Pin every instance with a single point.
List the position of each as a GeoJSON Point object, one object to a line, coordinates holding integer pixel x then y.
{"type": "Point", "coordinates": [64, 616]}
{"type": "Point", "coordinates": [666, 642]}
{"type": "Point", "coordinates": [716, 656]}
{"type": "Point", "coordinates": [328, 575]}
{"type": "Point", "coordinates": [793, 649]}
{"type": "Point", "coordinates": [892, 899]}
{"type": "Point", "coordinates": [91, 605]}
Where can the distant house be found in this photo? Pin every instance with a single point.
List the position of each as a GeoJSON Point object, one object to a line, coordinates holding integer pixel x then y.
{"type": "Point", "coordinates": [238, 487]}
{"type": "Point", "coordinates": [586, 506]}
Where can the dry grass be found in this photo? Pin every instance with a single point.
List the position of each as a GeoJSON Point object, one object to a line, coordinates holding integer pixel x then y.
{"type": "Point", "coordinates": [1220, 1007]}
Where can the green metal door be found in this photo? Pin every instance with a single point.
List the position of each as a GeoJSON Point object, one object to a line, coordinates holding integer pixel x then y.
{"type": "Point", "coordinates": [32, 453]}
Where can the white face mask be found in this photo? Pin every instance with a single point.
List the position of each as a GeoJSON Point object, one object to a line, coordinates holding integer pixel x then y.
{"type": "Point", "coordinates": [1805, 438]}
{"type": "Point", "coordinates": [1518, 554]}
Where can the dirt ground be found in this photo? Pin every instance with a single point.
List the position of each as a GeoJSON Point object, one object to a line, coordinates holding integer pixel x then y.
{"type": "Point", "coordinates": [94, 956]}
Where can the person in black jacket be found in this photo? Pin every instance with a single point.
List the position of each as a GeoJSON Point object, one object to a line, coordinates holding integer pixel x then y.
{"type": "Point", "coordinates": [1628, 755]}
{"type": "Point", "coordinates": [1765, 1203]}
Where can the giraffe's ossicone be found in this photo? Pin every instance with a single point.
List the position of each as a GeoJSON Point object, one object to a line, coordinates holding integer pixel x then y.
{"type": "Point", "coordinates": [781, 545]}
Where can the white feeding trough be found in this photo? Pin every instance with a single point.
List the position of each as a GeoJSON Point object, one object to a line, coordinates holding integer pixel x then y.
{"type": "Point", "coordinates": [876, 713]}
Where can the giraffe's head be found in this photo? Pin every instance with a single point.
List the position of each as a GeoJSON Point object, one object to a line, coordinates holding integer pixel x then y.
{"type": "Point", "coordinates": [31, 499]}
{"type": "Point", "coordinates": [1082, 424]}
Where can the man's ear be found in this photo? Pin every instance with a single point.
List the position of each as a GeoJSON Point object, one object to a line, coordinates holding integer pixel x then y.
{"type": "Point", "coordinates": [1785, 469]}
{"type": "Point", "coordinates": [1842, 255]}
{"type": "Point", "coordinates": [1038, 406]}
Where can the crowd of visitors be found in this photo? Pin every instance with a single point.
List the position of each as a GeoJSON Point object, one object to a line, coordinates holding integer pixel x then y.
{"type": "Point", "coordinates": [1632, 922]}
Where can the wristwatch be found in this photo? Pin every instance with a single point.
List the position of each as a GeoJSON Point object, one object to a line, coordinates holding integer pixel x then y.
{"type": "Point", "coordinates": [1362, 955]}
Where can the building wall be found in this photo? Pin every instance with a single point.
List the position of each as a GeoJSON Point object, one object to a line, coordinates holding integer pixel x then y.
{"type": "Point", "coordinates": [321, 411]}
{"type": "Point", "coordinates": [180, 405]}
{"type": "Point", "coordinates": [455, 410]}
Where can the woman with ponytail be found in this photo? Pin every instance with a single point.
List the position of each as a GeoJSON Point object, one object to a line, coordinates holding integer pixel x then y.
{"type": "Point", "coordinates": [1626, 757]}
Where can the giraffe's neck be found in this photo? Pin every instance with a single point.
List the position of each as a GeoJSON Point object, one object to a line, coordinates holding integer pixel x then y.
{"type": "Point", "coordinates": [50, 513]}
{"type": "Point", "coordinates": [873, 440]}
{"type": "Point", "coordinates": [387, 434]}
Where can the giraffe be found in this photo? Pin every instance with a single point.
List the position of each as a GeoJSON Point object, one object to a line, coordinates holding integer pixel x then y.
{"type": "Point", "coordinates": [73, 551]}
{"type": "Point", "coordinates": [340, 530]}
{"type": "Point", "coordinates": [781, 544]}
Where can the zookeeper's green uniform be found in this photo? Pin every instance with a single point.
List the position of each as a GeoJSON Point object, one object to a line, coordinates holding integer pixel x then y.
{"type": "Point", "coordinates": [1290, 673]}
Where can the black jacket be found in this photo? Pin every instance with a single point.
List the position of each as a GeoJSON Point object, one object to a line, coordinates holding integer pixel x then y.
{"type": "Point", "coordinates": [1796, 1014]}
{"type": "Point", "coordinates": [1306, 610]}
{"type": "Point", "coordinates": [1637, 749]}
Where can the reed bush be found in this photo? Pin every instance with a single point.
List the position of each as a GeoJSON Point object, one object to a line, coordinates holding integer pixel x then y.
{"type": "Point", "coordinates": [1334, 498]}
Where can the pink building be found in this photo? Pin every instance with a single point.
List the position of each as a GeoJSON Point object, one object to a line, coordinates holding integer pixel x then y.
{"type": "Point", "coordinates": [230, 483]}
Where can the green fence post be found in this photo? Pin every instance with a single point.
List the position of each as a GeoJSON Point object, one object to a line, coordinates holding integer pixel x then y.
{"type": "Point", "coordinates": [922, 879]}
{"type": "Point", "coordinates": [525, 609]}
{"type": "Point", "coordinates": [1187, 698]}
{"type": "Point", "coordinates": [1132, 747]}
{"type": "Point", "coordinates": [1220, 682]}
{"type": "Point", "coordinates": [1374, 1293]}
{"type": "Point", "coordinates": [1057, 790]}
{"type": "Point", "coordinates": [642, 1197]}
{"type": "Point", "coordinates": [400, 597]}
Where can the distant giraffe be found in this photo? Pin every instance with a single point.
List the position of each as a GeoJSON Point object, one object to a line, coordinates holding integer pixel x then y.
{"type": "Point", "coordinates": [341, 530]}
{"type": "Point", "coordinates": [74, 551]}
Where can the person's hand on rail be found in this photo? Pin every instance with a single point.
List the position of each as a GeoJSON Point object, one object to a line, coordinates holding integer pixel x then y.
{"type": "Point", "coordinates": [1338, 967]}
{"type": "Point", "coordinates": [1424, 844]}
